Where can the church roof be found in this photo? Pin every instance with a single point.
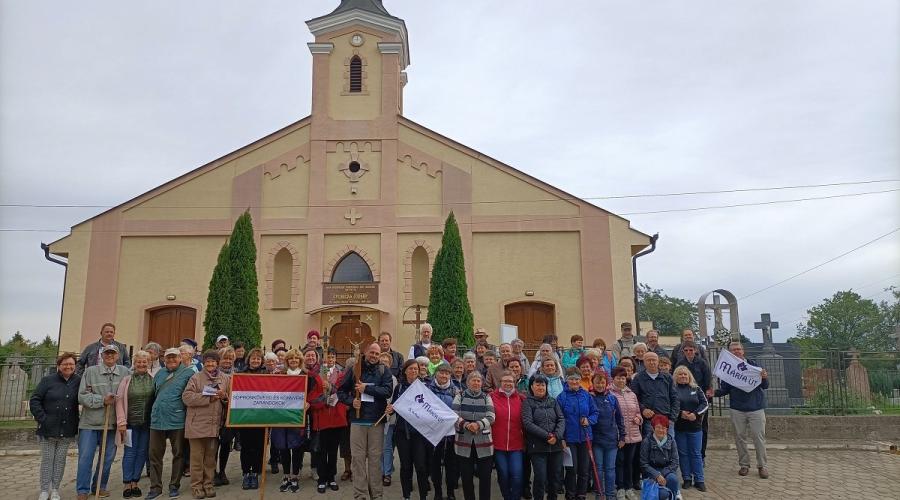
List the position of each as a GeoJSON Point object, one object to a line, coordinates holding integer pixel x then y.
{"type": "Point", "coordinates": [371, 6]}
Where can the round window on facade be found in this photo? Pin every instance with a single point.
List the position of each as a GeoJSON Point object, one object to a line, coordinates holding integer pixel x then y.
{"type": "Point", "coordinates": [354, 166]}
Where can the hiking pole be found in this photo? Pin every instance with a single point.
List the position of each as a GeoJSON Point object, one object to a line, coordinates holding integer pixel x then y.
{"type": "Point", "coordinates": [102, 451]}
{"type": "Point", "coordinates": [597, 484]}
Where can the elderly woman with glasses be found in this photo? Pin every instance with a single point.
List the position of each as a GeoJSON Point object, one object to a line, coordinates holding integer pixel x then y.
{"type": "Point", "coordinates": [474, 442]}
{"type": "Point", "coordinates": [134, 400]}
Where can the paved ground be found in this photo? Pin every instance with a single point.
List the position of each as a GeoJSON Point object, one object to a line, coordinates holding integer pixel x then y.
{"type": "Point", "coordinates": [810, 474]}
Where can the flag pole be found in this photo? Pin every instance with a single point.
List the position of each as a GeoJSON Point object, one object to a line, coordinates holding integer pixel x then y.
{"type": "Point", "coordinates": [262, 488]}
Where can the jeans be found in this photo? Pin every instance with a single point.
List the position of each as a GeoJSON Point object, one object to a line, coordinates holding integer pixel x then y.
{"type": "Point", "coordinates": [88, 446]}
{"type": "Point", "coordinates": [690, 459]}
{"type": "Point", "coordinates": [670, 490]}
{"type": "Point", "coordinates": [626, 478]}
{"type": "Point", "coordinates": [509, 473]}
{"type": "Point", "coordinates": [387, 457]}
{"type": "Point", "coordinates": [546, 479]}
{"type": "Point", "coordinates": [135, 456]}
{"type": "Point", "coordinates": [606, 469]}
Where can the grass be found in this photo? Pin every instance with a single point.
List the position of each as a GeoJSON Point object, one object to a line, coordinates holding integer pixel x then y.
{"type": "Point", "coordinates": [18, 424]}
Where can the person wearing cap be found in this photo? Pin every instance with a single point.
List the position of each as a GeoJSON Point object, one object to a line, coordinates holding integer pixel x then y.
{"type": "Point", "coordinates": [443, 456]}
{"type": "Point", "coordinates": [222, 341]}
{"type": "Point", "coordinates": [90, 356]}
{"type": "Point", "coordinates": [482, 335]}
{"type": "Point", "coordinates": [167, 417]}
{"type": "Point", "coordinates": [420, 348]}
{"type": "Point", "coordinates": [544, 425]}
{"type": "Point", "coordinates": [659, 458]}
{"type": "Point", "coordinates": [193, 343]}
{"type": "Point", "coordinates": [624, 345]}
{"type": "Point", "coordinates": [96, 392]}
{"type": "Point", "coordinates": [655, 392]}
{"type": "Point", "coordinates": [581, 414]}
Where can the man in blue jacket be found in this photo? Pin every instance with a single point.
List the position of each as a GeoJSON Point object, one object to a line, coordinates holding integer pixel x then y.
{"type": "Point", "coordinates": [655, 393]}
{"type": "Point", "coordinates": [748, 413]}
{"type": "Point", "coordinates": [167, 422]}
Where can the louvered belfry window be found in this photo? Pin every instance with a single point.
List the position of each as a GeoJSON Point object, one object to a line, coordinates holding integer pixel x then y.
{"type": "Point", "coordinates": [356, 74]}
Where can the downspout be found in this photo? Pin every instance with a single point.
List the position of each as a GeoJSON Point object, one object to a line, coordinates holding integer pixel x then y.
{"type": "Point", "coordinates": [637, 318]}
{"type": "Point", "coordinates": [65, 264]}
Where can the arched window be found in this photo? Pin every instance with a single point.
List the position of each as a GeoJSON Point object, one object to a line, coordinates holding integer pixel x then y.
{"type": "Point", "coordinates": [420, 276]}
{"type": "Point", "coordinates": [282, 276]}
{"type": "Point", "coordinates": [351, 269]}
{"type": "Point", "coordinates": [355, 74]}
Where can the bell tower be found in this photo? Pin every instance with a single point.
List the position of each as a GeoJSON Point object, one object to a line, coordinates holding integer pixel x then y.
{"type": "Point", "coordinates": [360, 53]}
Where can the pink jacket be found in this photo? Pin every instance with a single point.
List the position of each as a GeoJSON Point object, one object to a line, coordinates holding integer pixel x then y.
{"type": "Point", "coordinates": [628, 403]}
{"type": "Point", "coordinates": [122, 407]}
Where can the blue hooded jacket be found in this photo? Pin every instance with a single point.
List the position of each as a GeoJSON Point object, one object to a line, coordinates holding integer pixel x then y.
{"type": "Point", "coordinates": [574, 405]}
{"type": "Point", "coordinates": [610, 427]}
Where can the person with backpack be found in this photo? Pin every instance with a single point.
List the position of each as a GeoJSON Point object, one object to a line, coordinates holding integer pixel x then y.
{"type": "Point", "coordinates": [622, 347]}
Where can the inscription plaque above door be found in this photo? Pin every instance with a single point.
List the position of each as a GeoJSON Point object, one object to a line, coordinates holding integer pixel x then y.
{"type": "Point", "coordinates": [349, 293]}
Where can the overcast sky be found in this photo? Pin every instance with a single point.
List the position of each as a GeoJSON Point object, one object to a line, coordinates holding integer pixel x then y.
{"type": "Point", "coordinates": [103, 100]}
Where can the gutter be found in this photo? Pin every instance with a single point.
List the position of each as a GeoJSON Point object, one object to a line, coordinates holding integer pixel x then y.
{"type": "Point", "coordinates": [46, 248]}
{"type": "Point", "coordinates": [637, 320]}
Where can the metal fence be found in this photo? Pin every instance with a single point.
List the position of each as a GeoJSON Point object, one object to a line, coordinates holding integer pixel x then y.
{"type": "Point", "coordinates": [827, 382]}
{"type": "Point", "coordinates": [19, 375]}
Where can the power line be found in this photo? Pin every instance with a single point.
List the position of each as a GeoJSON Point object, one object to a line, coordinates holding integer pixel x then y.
{"type": "Point", "coordinates": [820, 265]}
{"type": "Point", "coordinates": [857, 288]}
{"type": "Point", "coordinates": [609, 197]}
{"type": "Point", "coordinates": [461, 222]}
{"type": "Point", "coordinates": [868, 297]}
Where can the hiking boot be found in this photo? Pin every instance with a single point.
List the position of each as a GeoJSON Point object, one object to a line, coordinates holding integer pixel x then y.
{"type": "Point", "coordinates": [174, 493]}
{"type": "Point", "coordinates": [686, 485]}
{"type": "Point", "coordinates": [245, 482]}
{"type": "Point", "coordinates": [254, 481]}
{"type": "Point", "coordinates": [701, 486]}
{"type": "Point", "coordinates": [198, 493]}
{"type": "Point", "coordinates": [744, 470]}
{"type": "Point", "coordinates": [763, 473]}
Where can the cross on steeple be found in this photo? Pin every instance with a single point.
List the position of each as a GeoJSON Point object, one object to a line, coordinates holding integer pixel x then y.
{"type": "Point", "coordinates": [766, 325]}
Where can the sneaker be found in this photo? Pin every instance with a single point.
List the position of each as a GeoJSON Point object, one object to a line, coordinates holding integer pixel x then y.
{"type": "Point", "coordinates": [198, 493]}
{"type": "Point", "coordinates": [386, 480]}
{"type": "Point", "coordinates": [321, 488]}
{"type": "Point", "coordinates": [174, 493]}
{"type": "Point", "coordinates": [45, 495]}
{"type": "Point", "coordinates": [245, 482]}
{"type": "Point", "coordinates": [254, 481]}
{"type": "Point", "coordinates": [54, 495]}
{"type": "Point", "coordinates": [153, 494]}
{"type": "Point", "coordinates": [744, 470]}
{"type": "Point", "coordinates": [295, 485]}
{"type": "Point", "coordinates": [701, 486]}
{"type": "Point", "coordinates": [285, 484]}
{"type": "Point", "coordinates": [135, 493]}
{"type": "Point", "coordinates": [763, 473]}
{"type": "Point", "coordinates": [127, 493]}
{"type": "Point", "coordinates": [334, 486]}
{"type": "Point", "coordinates": [678, 496]}
{"type": "Point", "coordinates": [620, 494]}
{"type": "Point", "coordinates": [686, 485]}
{"type": "Point", "coordinates": [632, 494]}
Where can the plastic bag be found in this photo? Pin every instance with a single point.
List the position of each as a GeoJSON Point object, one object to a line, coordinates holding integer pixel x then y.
{"type": "Point", "coordinates": [650, 490]}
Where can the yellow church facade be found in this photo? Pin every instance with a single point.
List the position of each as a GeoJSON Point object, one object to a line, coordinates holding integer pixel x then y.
{"type": "Point", "coordinates": [348, 206]}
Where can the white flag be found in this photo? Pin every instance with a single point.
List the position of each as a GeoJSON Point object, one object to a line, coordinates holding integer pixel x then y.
{"type": "Point", "coordinates": [425, 412]}
{"type": "Point", "coordinates": [737, 372]}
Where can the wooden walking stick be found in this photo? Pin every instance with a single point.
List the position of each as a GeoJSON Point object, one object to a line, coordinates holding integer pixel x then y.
{"type": "Point", "coordinates": [102, 451]}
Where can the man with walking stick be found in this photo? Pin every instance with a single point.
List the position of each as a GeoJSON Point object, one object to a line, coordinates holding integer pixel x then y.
{"type": "Point", "coordinates": [367, 392]}
{"type": "Point", "coordinates": [97, 394]}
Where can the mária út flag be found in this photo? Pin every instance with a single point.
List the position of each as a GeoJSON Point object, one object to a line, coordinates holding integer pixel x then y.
{"type": "Point", "coordinates": [425, 412]}
{"type": "Point", "coordinates": [737, 372]}
{"type": "Point", "coordinates": [261, 400]}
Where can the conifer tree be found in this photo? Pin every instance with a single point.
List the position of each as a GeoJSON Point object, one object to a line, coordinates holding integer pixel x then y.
{"type": "Point", "coordinates": [244, 285]}
{"type": "Point", "coordinates": [448, 305]}
{"type": "Point", "coordinates": [217, 318]}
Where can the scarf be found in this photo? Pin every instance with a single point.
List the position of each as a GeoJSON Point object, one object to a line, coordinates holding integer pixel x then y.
{"type": "Point", "coordinates": [432, 367]}
{"type": "Point", "coordinates": [439, 386]}
{"type": "Point", "coordinates": [509, 392]}
{"type": "Point", "coordinates": [661, 442]}
{"type": "Point", "coordinates": [298, 371]}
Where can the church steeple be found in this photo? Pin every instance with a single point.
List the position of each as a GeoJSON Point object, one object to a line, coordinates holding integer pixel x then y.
{"type": "Point", "coordinates": [359, 57]}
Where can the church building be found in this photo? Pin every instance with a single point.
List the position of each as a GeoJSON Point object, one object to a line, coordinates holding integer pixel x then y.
{"type": "Point", "coordinates": [348, 206]}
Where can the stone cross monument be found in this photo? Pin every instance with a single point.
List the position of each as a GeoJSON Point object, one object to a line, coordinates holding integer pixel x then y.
{"type": "Point", "coordinates": [777, 393]}
{"type": "Point", "coordinates": [718, 308]}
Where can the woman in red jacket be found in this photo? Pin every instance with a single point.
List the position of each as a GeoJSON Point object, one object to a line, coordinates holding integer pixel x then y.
{"type": "Point", "coordinates": [329, 418]}
{"type": "Point", "coordinates": [509, 436]}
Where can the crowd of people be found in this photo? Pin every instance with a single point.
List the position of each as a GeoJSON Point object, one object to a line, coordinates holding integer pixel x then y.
{"type": "Point", "coordinates": [577, 421]}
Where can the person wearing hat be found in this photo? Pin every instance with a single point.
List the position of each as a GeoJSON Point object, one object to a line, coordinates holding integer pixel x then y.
{"type": "Point", "coordinates": [222, 341]}
{"type": "Point", "coordinates": [278, 343]}
{"type": "Point", "coordinates": [90, 356]}
{"type": "Point", "coordinates": [97, 391]}
{"type": "Point", "coordinates": [482, 335]}
{"type": "Point", "coordinates": [623, 347]}
{"type": "Point", "coordinates": [443, 458]}
{"type": "Point", "coordinates": [581, 414]}
{"type": "Point", "coordinates": [659, 458]}
{"type": "Point", "coordinates": [167, 418]}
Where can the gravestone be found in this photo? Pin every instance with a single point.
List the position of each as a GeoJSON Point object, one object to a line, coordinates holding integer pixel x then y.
{"type": "Point", "coordinates": [777, 395]}
{"type": "Point", "coordinates": [13, 384]}
{"type": "Point", "coordinates": [858, 378]}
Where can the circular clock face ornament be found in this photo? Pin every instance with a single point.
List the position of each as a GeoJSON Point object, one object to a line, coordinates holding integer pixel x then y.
{"type": "Point", "coordinates": [356, 40]}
